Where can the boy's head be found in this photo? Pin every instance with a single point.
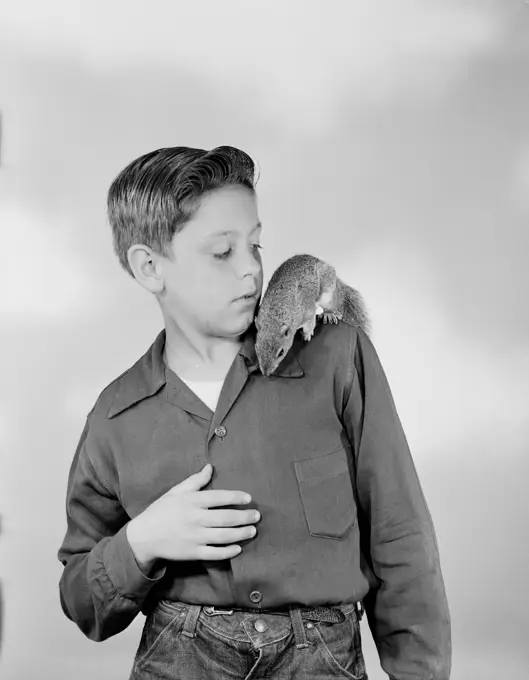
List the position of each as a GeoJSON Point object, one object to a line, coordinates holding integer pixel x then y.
{"type": "Point", "coordinates": [185, 225]}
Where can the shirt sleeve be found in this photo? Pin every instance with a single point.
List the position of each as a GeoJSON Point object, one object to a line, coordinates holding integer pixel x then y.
{"type": "Point", "coordinates": [102, 588]}
{"type": "Point", "coordinates": [408, 610]}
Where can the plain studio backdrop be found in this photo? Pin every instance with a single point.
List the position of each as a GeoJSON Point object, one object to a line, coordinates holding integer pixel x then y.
{"type": "Point", "coordinates": [392, 140]}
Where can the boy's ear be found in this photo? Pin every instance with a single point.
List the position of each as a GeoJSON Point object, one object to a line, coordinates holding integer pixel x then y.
{"type": "Point", "coordinates": [146, 268]}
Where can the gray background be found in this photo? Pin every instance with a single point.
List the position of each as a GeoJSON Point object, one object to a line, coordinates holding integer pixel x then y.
{"type": "Point", "coordinates": [393, 141]}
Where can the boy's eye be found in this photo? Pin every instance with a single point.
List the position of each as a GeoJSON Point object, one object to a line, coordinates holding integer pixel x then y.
{"type": "Point", "coordinates": [224, 255]}
{"type": "Point", "coordinates": [227, 253]}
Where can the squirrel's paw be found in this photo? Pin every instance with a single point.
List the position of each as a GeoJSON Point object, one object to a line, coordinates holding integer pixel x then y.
{"type": "Point", "coordinates": [307, 334]}
{"type": "Point", "coordinates": [331, 317]}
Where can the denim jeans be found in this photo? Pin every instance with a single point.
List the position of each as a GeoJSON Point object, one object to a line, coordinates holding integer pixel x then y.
{"type": "Point", "coordinates": [191, 642]}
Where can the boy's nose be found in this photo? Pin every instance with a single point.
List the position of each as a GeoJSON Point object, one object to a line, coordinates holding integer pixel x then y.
{"type": "Point", "coordinates": [251, 268]}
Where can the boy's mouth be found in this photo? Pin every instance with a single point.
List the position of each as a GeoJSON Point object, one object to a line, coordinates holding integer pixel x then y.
{"type": "Point", "coordinates": [249, 301]}
{"type": "Point", "coordinates": [248, 296]}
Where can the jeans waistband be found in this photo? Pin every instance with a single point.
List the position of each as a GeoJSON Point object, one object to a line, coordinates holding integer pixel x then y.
{"type": "Point", "coordinates": [329, 614]}
{"type": "Point", "coordinates": [194, 610]}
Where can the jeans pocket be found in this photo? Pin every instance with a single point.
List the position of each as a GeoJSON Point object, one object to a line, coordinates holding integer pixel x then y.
{"type": "Point", "coordinates": [162, 624]}
{"type": "Point", "coordinates": [341, 647]}
{"type": "Point", "coordinates": [326, 493]}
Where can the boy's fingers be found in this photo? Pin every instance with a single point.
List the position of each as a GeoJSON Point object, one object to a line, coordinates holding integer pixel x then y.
{"type": "Point", "coordinates": [208, 552]}
{"type": "Point", "coordinates": [227, 536]}
{"type": "Point", "coordinates": [196, 481]}
{"type": "Point", "coordinates": [229, 518]}
{"type": "Point", "coordinates": [214, 498]}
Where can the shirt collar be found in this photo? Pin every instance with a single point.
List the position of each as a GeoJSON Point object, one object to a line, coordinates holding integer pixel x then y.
{"type": "Point", "coordinates": [147, 376]}
{"type": "Point", "coordinates": [142, 380]}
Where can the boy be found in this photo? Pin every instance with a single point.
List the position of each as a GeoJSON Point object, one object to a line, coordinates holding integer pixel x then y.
{"type": "Point", "coordinates": [237, 587]}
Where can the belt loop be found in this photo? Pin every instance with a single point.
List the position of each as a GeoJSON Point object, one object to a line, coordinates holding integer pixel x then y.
{"type": "Point", "coordinates": [359, 610]}
{"type": "Point", "coordinates": [298, 628]}
{"type": "Point", "coordinates": [190, 624]}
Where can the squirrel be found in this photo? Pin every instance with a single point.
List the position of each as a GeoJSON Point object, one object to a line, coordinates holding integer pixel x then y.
{"type": "Point", "coordinates": [301, 289]}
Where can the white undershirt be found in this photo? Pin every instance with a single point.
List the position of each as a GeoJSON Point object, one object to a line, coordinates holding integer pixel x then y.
{"type": "Point", "coordinates": [206, 390]}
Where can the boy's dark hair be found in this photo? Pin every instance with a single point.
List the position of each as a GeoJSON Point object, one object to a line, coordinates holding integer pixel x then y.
{"type": "Point", "coordinates": [155, 195]}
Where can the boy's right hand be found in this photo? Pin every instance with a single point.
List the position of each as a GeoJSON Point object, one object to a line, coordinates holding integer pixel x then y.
{"type": "Point", "coordinates": [181, 526]}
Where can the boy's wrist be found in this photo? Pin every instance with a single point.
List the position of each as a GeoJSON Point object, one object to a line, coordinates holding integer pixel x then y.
{"type": "Point", "coordinates": [140, 550]}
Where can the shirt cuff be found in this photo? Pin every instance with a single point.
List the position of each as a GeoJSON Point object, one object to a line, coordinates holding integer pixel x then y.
{"type": "Point", "coordinates": [123, 570]}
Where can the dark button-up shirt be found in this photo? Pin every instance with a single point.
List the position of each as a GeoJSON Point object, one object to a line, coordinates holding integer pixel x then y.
{"type": "Point", "coordinates": [320, 448]}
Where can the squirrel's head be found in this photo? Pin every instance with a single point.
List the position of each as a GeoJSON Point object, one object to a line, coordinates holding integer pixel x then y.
{"type": "Point", "coordinates": [274, 339]}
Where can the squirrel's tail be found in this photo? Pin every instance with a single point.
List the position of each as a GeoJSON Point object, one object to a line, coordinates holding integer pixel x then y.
{"type": "Point", "coordinates": [353, 307]}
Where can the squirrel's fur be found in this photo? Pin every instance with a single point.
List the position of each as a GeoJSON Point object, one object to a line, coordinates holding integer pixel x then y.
{"type": "Point", "coordinates": [301, 289]}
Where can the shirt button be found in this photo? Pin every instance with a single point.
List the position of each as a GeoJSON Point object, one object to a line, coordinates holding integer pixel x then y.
{"type": "Point", "coordinates": [255, 596]}
{"type": "Point", "coordinates": [260, 626]}
{"type": "Point", "coordinates": [220, 431]}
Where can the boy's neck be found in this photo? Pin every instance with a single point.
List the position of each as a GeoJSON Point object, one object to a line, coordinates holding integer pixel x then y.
{"type": "Point", "coordinates": [197, 357]}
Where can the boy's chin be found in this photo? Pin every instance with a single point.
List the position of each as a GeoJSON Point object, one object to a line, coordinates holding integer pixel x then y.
{"type": "Point", "coordinates": [239, 325]}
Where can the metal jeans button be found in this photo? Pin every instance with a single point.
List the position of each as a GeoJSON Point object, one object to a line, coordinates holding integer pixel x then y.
{"type": "Point", "coordinates": [260, 626]}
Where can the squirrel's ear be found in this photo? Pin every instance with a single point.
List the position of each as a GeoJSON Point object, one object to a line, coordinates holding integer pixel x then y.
{"type": "Point", "coordinates": [285, 330]}
{"type": "Point", "coordinates": [257, 324]}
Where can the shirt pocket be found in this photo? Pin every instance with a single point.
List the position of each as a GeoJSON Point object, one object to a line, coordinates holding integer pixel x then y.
{"type": "Point", "coordinates": [327, 494]}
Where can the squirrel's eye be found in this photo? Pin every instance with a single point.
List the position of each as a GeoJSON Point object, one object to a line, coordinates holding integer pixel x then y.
{"type": "Point", "coordinates": [280, 353]}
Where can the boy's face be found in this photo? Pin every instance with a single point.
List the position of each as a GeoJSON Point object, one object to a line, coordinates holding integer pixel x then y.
{"type": "Point", "coordinates": [215, 261]}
